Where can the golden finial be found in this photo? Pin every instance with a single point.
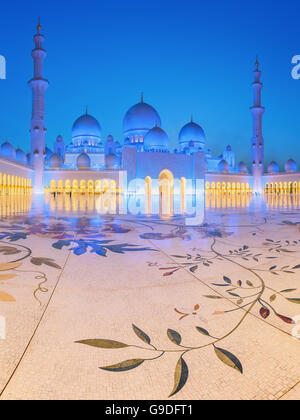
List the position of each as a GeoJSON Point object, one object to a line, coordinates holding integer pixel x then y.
{"type": "Point", "coordinates": [142, 98]}
{"type": "Point", "coordinates": [86, 111]}
{"type": "Point", "coordinates": [256, 62]}
{"type": "Point", "coordinates": [39, 26]}
{"type": "Point", "coordinates": [192, 118]}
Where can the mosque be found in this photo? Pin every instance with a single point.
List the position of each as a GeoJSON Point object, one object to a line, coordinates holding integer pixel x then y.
{"type": "Point", "coordinates": [142, 162]}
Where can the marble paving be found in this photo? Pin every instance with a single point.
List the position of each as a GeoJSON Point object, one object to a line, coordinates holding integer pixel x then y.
{"type": "Point", "coordinates": [122, 307]}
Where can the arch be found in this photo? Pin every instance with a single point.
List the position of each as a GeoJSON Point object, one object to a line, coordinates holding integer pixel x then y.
{"type": "Point", "coordinates": [75, 186]}
{"type": "Point", "coordinates": [90, 186]}
{"type": "Point", "coordinates": [68, 186]}
{"type": "Point", "coordinates": [60, 186]}
{"type": "Point", "coordinates": [52, 186]}
{"type": "Point", "coordinates": [166, 185]}
{"type": "Point", "coordinates": [97, 186]}
{"type": "Point", "coordinates": [207, 186]}
{"type": "Point", "coordinates": [166, 182]}
{"type": "Point", "coordinates": [83, 186]}
{"type": "Point", "coordinates": [105, 185]}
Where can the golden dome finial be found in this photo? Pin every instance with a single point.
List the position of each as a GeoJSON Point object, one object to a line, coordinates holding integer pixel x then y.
{"type": "Point", "coordinates": [142, 97]}
{"type": "Point", "coordinates": [39, 26]}
{"type": "Point", "coordinates": [256, 62]}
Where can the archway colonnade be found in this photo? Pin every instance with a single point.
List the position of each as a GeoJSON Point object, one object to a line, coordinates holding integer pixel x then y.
{"type": "Point", "coordinates": [287, 187]}
{"type": "Point", "coordinates": [11, 183]}
{"type": "Point", "coordinates": [228, 187]}
{"type": "Point", "coordinates": [83, 186]}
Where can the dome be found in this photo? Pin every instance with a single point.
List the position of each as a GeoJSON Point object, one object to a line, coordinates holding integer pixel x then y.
{"type": "Point", "coordinates": [139, 119]}
{"type": "Point", "coordinates": [110, 138]}
{"type": "Point", "coordinates": [291, 166]}
{"type": "Point", "coordinates": [223, 166]}
{"type": "Point", "coordinates": [59, 139]}
{"type": "Point", "coordinates": [86, 125]}
{"type": "Point", "coordinates": [156, 140]}
{"type": "Point", "coordinates": [83, 161]}
{"type": "Point", "coordinates": [228, 148]}
{"type": "Point", "coordinates": [192, 132]}
{"type": "Point", "coordinates": [55, 161]}
{"type": "Point", "coordinates": [242, 168]}
{"type": "Point", "coordinates": [8, 151]}
{"type": "Point", "coordinates": [21, 157]}
{"type": "Point", "coordinates": [112, 161]}
{"type": "Point", "coordinates": [273, 167]}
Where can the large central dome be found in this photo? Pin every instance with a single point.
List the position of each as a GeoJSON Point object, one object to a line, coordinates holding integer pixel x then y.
{"type": "Point", "coordinates": [86, 125]}
{"type": "Point", "coordinates": [139, 119]}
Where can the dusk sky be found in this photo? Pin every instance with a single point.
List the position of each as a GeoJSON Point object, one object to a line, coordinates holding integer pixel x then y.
{"type": "Point", "coordinates": [188, 57]}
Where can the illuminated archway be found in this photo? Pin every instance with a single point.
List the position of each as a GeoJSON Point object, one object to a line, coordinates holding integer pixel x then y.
{"type": "Point", "coordinates": [166, 185]}
{"type": "Point", "coordinates": [68, 186]}
{"type": "Point", "coordinates": [52, 186]}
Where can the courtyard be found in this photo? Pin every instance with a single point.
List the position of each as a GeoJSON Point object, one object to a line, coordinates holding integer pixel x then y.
{"type": "Point", "coordinates": [97, 303]}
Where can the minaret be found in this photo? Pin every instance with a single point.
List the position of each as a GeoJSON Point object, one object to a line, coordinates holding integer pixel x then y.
{"type": "Point", "coordinates": [38, 85]}
{"type": "Point", "coordinates": [257, 140]}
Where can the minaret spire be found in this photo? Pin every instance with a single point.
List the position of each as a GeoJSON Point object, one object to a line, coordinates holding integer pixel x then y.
{"type": "Point", "coordinates": [257, 145]}
{"type": "Point", "coordinates": [38, 85]}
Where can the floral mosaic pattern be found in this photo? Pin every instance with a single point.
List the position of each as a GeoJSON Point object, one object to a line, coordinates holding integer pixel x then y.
{"type": "Point", "coordinates": [253, 294]}
{"type": "Point", "coordinates": [247, 296]}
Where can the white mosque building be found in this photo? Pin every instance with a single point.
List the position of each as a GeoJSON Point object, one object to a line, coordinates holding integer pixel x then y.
{"type": "Point", "coordinates": [141, 160]}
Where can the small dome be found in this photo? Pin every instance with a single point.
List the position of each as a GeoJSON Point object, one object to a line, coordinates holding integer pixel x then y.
{"type": "Point", "coordinates": [156, 140]}
{"type": "Point", "coordinates": [291, 166]}
{"type": "Point", "coordinates": [223, 166]}
{"type": "Point", "coordinates": [59, 139]}
{"type": "Point", "coordinates": [228, 148]}
{"type": "Point", "coordinates": [55, 161]}
{"type": "Point", "coordinates": [140, 119]}
{"type": "Point", "coordinates": [8, 151]}
{"type": "Point", "coordinates": [110, 138]}
{"type": "Point", "coordinates": [86, 125]}
{"type": "Point", "coordinates": [273, 167]}
{"type": "Point", "coordinates": [83, 161]}
{"type": "Point", "coordinates": [242, 168]}
{"type": "Point", "coordinates": [192, 132]}
{"type": "Point", "coordinates": [112, 161]}
{"type": "Point", "coordinates": [21, 157]}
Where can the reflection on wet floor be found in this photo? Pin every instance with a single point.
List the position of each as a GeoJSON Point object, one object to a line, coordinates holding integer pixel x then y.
{"type": "Point", "coordinates": [164, 205]}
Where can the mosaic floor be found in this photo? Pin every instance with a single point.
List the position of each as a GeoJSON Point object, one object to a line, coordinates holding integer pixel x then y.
{"type": "Point", "coordinates": [123, 307]}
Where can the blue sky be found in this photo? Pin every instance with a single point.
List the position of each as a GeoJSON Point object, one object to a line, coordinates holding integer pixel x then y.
{"type": "Point", "coordinates": [188, 57]}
